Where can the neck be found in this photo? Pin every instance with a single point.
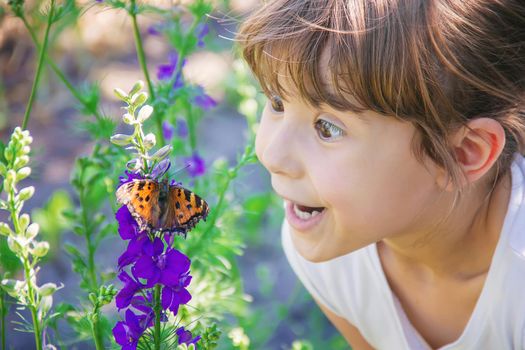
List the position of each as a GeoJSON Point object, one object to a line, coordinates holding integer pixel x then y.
{"type": "Point", "coordinates": [461, 247]}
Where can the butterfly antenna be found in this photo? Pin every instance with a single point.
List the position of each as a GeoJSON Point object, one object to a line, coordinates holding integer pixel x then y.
{"type": "Point", "coordinates": [187, 166]}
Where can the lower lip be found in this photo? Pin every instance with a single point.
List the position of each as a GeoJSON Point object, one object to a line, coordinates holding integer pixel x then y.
{"type": "Point", "coordinates": [301, 224]}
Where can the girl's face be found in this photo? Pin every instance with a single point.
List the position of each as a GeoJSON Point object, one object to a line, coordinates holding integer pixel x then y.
{"type": "Point", "coordinates": [359, 168]}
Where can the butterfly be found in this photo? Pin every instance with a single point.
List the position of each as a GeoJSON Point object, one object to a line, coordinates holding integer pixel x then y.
{"type": "Point", "coordinates": [161, 206]}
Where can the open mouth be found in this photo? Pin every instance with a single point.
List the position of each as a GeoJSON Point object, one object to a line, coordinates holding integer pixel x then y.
{"type": "Point", "coordinates": [305, 212]}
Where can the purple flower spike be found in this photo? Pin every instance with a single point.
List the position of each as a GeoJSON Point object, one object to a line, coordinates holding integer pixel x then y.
{"type": "Point", "coordinates": [127, 334]}
{"type": "Point", "coordinates": [127, 226]}
{"type": "Point", "coordinates": [174, 296]}
{"type": "Point", "coordinates": [131, 287]}
{"type": "Point", "coordinates": [167, 130]}
{"type": "Point", "coordinates": [130, 177]}
{"type": "Point", "coordinates": [197, 165]}
{"type": "Point", "coordinates": [160, 169]}
{"type": "Point", "coordinates": [202, 31]}
{"type": "Point", "coordinates": [157, 267]}
{"type": "Point", "coordinates": [133, 251]}
{"type": "Point", "coordinates": [182, 128]}
{"type": "Point", "coordinates": [203, 100]}
{"type": "Point", "coordinates": [186, 337]}
{"type": "Point", "coordinates": [166, 71]}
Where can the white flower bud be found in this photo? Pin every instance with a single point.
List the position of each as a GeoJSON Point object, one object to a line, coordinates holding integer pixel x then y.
{"type": "Point", "coordinates": [144, 113]}
{"type": "Point", "coordinates": [139, 85]}
{"type": "Point", "coordinates": [121, 139]}
{"type": "Point", "coordinates": [11, 176]}
{"type": "Point", "coordinates": [149, 141]}
{"type": "Point", "coordinates": [128, 119]}
{"type": "Point", "coordinates": [25, 150]}
{"type": "Point", "coordinates": [14, 245]}
{"type": "Point", "coordinates": [40, 249]}
{"type": "Point", "coordinates": [13, 287]}
{"type": "Point", "coordinates": [23, 221]}
{"type": "Point", "coordinates": [21, 161]}
{"type": "Point", "coordinates": [162, 153]}
{"type": "Point", "coordinates": [47, 289]}
{"type": "Point", "coordinates": [26, 193]}
{"type": "Point", "coordinates": [5, 229]}
{"type": "Point", "coordinates": [32, 231]}
{"type": "Point", "coordinates": [23, 173]}
{"type": "Point", "coordinates": [139, 99]}
{"type": "Point", "coordinates": [120, 94]}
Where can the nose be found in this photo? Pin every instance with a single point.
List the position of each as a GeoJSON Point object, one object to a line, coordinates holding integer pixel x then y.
{"type": "Point", "coordinates": [279, 154]}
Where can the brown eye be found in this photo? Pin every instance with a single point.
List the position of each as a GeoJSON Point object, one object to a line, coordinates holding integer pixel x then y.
{"type": "Point", "coordinates": [277, 104]}
{"type": "Point", "coordinates": [328, 131]}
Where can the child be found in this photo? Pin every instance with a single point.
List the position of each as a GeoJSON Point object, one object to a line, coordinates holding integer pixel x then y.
{"type": "Point", "coordinates": [393, 132]}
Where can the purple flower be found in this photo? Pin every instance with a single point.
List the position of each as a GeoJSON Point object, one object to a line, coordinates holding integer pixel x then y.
{"type": "Point", "coordinates": [131, 287]}
{"type": "Point", "coordinates": [130, 177]}
{"type": "Point", "coordinates": [203, 100]}
{"type": "Point", "coordinates": [127, 225]}
{"type": "Point", "coordinates": [197, 166]}
{"type": "Point", "coordinates": [155, 266]}
{"type": "Point", "coordinates": [133, 252]}
{"type": "Point", "coordinates": [202, 30]}
{"type": "Point", "coordinates": [166, 71]}
{"type": "Point", "coordinates": [186, 337]}
{"type": "Point", "coordinates": [127, 334]}
{"type": "Point", "coordinates": [174, 296]}
{"type": "Point", "coordinates": [182, 128]}
{"type": "Point", "coordinates": [153, 30]}
{"type": "Point", "coordinates": [160, 169]}
{"type": "Point", "coordinates": [167, 130]}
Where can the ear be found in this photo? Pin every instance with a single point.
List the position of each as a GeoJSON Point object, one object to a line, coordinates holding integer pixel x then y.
{"type": "Point", "coordinates": [477, 147]}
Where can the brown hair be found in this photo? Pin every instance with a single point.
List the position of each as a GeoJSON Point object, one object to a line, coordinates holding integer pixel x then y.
{"type": "Point", "coordinates": [435, 63]}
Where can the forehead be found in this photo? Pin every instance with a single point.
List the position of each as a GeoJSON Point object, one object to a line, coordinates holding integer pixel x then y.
{"type": "Point", "coordinates": [308, 77]}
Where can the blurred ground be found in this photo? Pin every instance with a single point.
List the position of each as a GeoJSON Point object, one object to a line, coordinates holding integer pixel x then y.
{"type": "Point", "coordinates": [100, 49]}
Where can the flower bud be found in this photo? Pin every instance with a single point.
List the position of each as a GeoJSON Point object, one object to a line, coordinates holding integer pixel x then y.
{"type": "Point", "coordinates": [24, 150]}
{"type": "Point", "coordinates": [139, 85]}
{"type": "Point", "coordinates": [8, 153]}
{"type": "Point", "coordinates": [93, 298]}
{"type": "Point", "coordinates": [21, 161]}
{"type": "Point", "coordinates": [120, 94]}
{"type": "Point", "coordinates": [23, 221]}
{"type": "Point", "coordinates": [144, 113]}
{"type": "Point", "coordinates": [121, 139]}
{"type": "Point", "coordinates": [139, 99]}
{"type": "Point", "coordinates": [32, 230]}
{"type": "Point", "coordinates": [10, 177]}
{"type": "Point", "coordinates": [162, 153]}
{"type": "Point", "coordinates": [22, 173]}
{"type": "Point", "coordinates": [14, 245]}
{"type": "Point", "coordinates": [26, 193]}
{"type": "Point", "coordinates": [47, 289]}
{"type": "Point", "coordinates": [3, 169]}
{"type": "Point", "coordinates": [149, 141]}
{"type": "Point", "coordinates": [40, 249]}
{"type": "Point", "coordinates": [5, 229]}
{"type": "Point", "coordinates": [128, 119]}
{"type": "Point", "coordinates": [13, 287]}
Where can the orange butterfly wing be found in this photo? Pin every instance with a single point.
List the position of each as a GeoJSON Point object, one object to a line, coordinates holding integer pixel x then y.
{"type": "Point", "coordinates": [184, 210]}
{"type": "Point", "coordinates": [142, 199]}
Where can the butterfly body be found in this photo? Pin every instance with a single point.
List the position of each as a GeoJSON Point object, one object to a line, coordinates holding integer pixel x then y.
{"type": "Point", "coordinates": [161, 206]}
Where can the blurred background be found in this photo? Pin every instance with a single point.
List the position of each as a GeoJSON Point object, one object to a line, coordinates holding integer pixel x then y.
{"type": "Point", "coordinates": [97, 51]}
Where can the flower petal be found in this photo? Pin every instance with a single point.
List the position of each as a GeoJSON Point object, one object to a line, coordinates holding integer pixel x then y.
{"type": "Point", "coordinates": [120, 333]}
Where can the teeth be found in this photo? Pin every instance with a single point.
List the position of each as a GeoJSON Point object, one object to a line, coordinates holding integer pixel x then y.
{"type": "Point", "coordinates": [304, 215]}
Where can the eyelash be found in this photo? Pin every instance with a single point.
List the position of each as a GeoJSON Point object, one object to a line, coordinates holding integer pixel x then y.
{"type": "Point", "coordinates": [320, 124]}
{"type": "Point", "coordinates": [327, 125]}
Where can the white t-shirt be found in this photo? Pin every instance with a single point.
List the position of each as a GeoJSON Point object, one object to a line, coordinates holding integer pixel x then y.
{"type": "Point", "coordinates": [354, 287]}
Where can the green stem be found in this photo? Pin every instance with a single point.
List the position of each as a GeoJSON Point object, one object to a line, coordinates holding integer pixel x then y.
{"type": "Point", "coordinates": [32, 305]}
{"type": "Point", "coordinates": [157, 317]}
{"type": "Point", "coordinates": [34, 88]}
{"type": "Point", "coordinates": [141, 56]}
{"type": "Point", "coordinates": [58, 72]}
{"type": "Point", "coordinates": [3, 311]}
{"type": "Point", "coordinates": [95, 329]}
